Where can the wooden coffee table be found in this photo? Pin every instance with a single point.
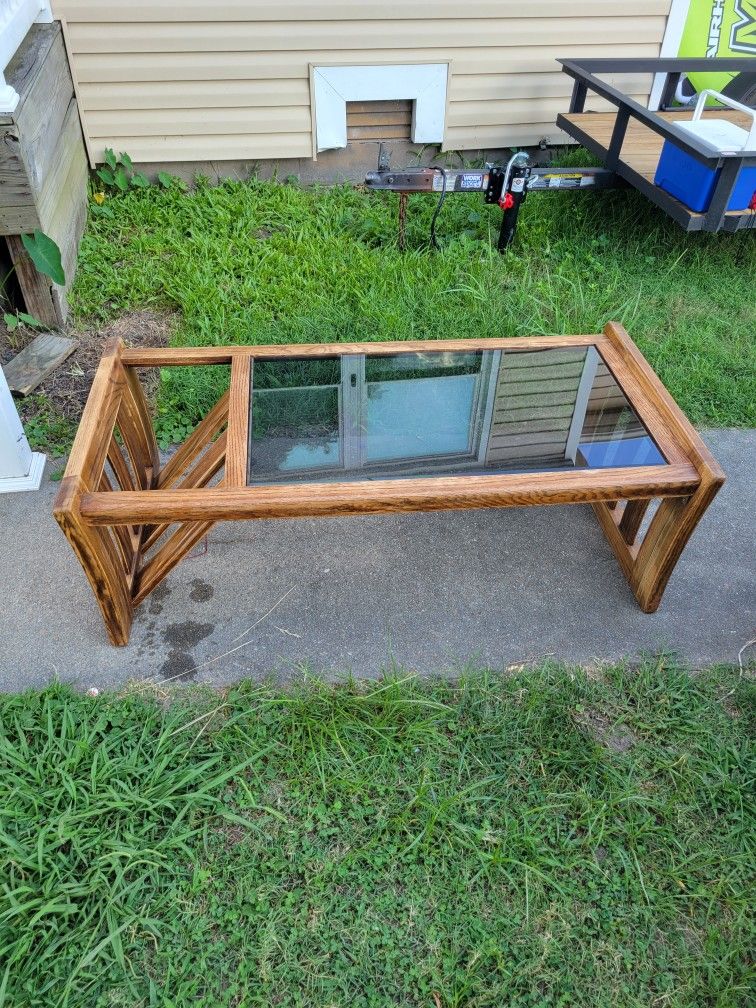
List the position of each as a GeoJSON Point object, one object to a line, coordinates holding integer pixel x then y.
{"type": "Point", "coordinates": [366, 428]}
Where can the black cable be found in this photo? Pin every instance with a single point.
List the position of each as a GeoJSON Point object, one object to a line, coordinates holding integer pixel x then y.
{"type": "Point", "coordinates": [437, 211]}
{"type": "Point", "coordinates": [442, 197]}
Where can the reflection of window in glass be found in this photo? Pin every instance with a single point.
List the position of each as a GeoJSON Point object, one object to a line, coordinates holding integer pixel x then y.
{"type": "Point", "coordinates": [420, 405]}
{"type": "Point", "coordinates": [296, 415]}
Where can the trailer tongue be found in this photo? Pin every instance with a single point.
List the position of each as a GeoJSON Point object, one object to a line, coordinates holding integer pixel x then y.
{"type": "Point", "coordinates": [506, 185]}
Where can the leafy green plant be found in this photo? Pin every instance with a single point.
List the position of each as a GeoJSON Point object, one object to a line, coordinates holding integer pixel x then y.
{"type": "Point", "coordinates": [118, 175]}
{"type": "Point", "coordinates": [167, 181]}
{"type": "Point", "coordinates": [45, 254]}
{"type": "Point", "coordinates": [13, 321]}
{"type": "Point", "coordinates": [46, 428]}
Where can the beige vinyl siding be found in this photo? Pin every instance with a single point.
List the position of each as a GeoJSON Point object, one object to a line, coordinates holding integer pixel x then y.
{"type": "Point", "coordinates": [196, 80]}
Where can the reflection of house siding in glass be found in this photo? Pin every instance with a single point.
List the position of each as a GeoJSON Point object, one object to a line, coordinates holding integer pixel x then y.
{"type": "Point", "coordinates": [534, 406]}
{"type": "Point", "coordinates": [607, 409]}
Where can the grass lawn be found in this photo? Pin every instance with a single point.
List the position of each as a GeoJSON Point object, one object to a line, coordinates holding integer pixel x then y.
{"type": "Point", "coordinates": [544, 838]}
{"type": "Point", "coordinates": [263, 262]}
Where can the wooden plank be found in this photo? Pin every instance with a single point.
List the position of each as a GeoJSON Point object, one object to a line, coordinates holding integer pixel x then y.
{"type": "Point", "coordinates": [238, 422]}
{"type": "Point", "coordinates": [98, 557]}
{"type": "Point", "coordinates": [39, 73]}
{"type": "Point", "coordinates": [63, 203]}
{"type": "Point", "coordinates": [355, 119]}
{"type": "Point", "coordinates": [208, 466]}
{"type": "Point", "coordinates": [379, 132]}
{"type": "Point", "coordinates": [188, 452]}
{"type": "Point", "coordinates": [27, 62]}
{"type": "Point", "coordinates": [655, 396]}
{"type": "Point", "coordinates": [631, 519]}
{"type": "Point", "coordinates": [605, 512]}
{"type": "Point", "coordinates": [135, 425]}
{"type": "Point", "coordinates": [35, 287]}
{"type": "Point", "coordinates": [185, 356]}
{"type": "Point", "coordinates": [35, 362]}
{"type": "Point", "coordinates": [392, 106]}
{"type": "Point", "coordinates": [42, 112]}
{"type": "Point", "coordinates": [18, 213]}
{"type": "Point", "coordinates": [670, 529]}
{"type": "Point", "coordinates": [312, 500]}
{"type": "Point", "coordinates": [123, 475]}
{"type": "Point", "coordinates": [121, 535]}
{"type": "Point", "coordinates": [170, 554]}
{"type": "Point", "coordinates": [95, 429]}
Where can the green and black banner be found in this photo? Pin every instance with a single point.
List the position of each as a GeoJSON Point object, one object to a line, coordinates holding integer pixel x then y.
{"type": "Point", "coordinates": [711, 28]}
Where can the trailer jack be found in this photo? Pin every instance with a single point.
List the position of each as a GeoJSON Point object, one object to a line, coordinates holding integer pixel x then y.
{"type": "Point", "coordinates": [507, 186]}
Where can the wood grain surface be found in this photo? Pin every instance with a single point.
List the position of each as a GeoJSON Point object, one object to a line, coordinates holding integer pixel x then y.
{"type": "Point", "coordinates": [132, 524]}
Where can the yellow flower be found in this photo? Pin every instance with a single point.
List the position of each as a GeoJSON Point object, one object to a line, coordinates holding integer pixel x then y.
{"type": "Point", "coordinates": [99, 198]}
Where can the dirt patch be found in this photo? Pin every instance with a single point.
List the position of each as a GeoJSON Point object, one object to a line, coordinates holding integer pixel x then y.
{"type": "Point", "coordinates": [616, 737]}
{"type": "Point", "coordinates": [67, 388]}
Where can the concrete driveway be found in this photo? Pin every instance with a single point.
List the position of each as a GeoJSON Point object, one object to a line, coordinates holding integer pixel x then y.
{"type": "Point", "coordinates": [425, 591]}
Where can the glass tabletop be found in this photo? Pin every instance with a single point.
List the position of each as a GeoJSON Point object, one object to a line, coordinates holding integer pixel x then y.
{"type": "Point", "coordinates": [440, 413]}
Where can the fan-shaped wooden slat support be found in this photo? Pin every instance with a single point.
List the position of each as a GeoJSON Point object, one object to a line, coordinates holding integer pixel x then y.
{"type": "Point", "coordinates": [196, 443]}
{"type": "Point", "coordinates": [172, 552]}
{"type": "Point", "coordinates": [208, 466]}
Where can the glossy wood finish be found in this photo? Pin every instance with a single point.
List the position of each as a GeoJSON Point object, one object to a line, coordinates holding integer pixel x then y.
{"type": "Point", "coordinates": [131, 520]}
{"type": "Point", "coordinates": [238, 421]}
{"type": "Point", "coordinates": [454, 493]}
{"type": "Point", "coordinates": [186, 356]}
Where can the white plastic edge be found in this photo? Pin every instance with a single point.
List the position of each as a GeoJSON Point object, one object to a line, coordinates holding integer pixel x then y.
{"type": "Point", "coordinates": [423, 83]}
{"type": "Point", "coordinates": [16, 18]}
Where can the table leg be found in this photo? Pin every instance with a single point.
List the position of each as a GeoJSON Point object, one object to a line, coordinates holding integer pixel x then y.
{"type": "Point", "coordinates": [648, 564]}
{"type": "Point", "coordinates": [100, 557]}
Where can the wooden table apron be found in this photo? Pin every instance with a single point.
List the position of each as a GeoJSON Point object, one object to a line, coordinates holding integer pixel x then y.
{"type": "Point", "coordinates": [129, 529]}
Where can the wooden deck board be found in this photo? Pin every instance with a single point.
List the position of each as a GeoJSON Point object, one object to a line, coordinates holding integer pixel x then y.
{"type": "Point", "coordinates": [642, 147]}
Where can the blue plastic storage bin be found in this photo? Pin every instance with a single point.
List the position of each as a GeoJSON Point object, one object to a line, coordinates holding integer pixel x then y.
{"type": "Point", "coordinates": [693, 183]}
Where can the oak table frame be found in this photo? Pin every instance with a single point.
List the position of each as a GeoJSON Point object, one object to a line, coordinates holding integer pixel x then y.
{"type": "Point", "coordinates": [130, 535]}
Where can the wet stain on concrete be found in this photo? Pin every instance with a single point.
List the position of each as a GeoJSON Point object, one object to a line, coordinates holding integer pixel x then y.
{"type": "Point", "coordinates": [158, 596]}
{"type": "Point", "coordinates": [182, 637]}
{"type": "Point", "coordinates": [201, 591]}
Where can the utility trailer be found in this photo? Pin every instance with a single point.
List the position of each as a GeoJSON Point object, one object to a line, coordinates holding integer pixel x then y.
{"type": "Point", "coordinates": [628, 141]}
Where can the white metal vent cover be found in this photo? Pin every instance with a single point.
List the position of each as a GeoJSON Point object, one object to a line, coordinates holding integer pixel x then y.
{"type": "Point", "coordinates": [424, 83]}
